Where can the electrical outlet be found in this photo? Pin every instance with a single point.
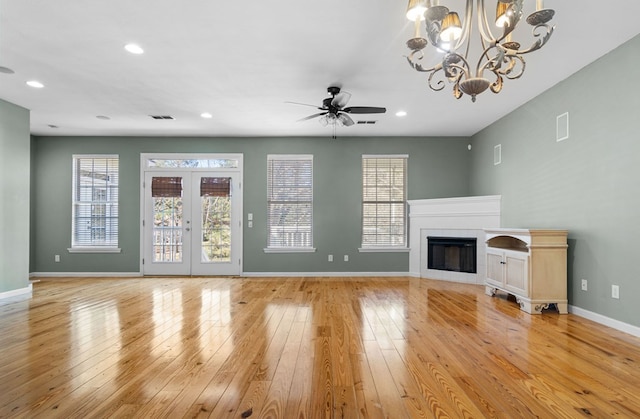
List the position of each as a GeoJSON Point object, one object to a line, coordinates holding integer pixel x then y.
{"type": "Point", "coordinates": [346, 258]}
{"type": "Point", "coordinates": [330, 258]}
{"type": "Point", "coordinates": [584, 285]}
{"type": "Point", "coordinates": [615, 291]}
{"type": "Point", "coordinates": [56, 258]}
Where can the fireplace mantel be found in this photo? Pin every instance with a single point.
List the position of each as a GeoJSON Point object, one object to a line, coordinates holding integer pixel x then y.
{"type": "Point", "coordinates": [462, 217]}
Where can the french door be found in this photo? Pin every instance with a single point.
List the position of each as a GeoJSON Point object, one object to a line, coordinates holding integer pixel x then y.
{"type": "Point", "coordinates": [191, 223]}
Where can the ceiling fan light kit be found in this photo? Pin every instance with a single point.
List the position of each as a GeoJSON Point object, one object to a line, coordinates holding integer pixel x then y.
{"type": "Point", "coordinates": [500, 57]}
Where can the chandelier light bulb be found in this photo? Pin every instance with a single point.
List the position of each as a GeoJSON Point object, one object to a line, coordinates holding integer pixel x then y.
{"type": "Point", "coordinates": [502, 11]}
{"type": "Point", "coordinates": [451, 27]}
{"type": "Point", "coordinates": [416, 9]}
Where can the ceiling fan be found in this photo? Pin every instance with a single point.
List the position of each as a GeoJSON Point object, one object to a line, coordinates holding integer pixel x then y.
{"type": "Point", "coordinates": [334, 111]}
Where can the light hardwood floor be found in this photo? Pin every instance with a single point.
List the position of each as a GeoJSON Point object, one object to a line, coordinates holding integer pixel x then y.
{"type": "Point", "coordinates": [303, 348]}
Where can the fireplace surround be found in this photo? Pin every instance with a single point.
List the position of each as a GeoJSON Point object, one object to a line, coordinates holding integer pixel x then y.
{"type": "Point", "coordinates": [464, 217]}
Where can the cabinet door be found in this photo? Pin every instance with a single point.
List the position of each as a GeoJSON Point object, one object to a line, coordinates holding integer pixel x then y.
{"type": "Point", "coordinates": [495, 267]}
{"type": "Point", "coordinates": [516, 272]}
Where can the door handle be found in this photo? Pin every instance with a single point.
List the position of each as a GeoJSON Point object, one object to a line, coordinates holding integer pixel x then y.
{"type": "Point", "coordinates": [188, 229]}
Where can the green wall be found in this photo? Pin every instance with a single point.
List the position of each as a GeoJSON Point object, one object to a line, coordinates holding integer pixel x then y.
{"type": "Point", "coordinates": [337, 196]}
{"type": "Point", "coordinates": [14, 197]}
{"type": "Point", "coordinates": [588, 184]}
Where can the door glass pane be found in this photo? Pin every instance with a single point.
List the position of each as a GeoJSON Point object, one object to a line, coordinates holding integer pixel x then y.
{"type": "Point", "coordinates": [166, 193]}
{"type": "Point", "coordinates": [215, 199]}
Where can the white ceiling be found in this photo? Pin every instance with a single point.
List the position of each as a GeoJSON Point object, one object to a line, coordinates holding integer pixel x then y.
{"type": "Point", "coordinates": [242, 60]}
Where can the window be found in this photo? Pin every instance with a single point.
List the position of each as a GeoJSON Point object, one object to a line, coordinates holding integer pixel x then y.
{"type": "Point", "coordinates": [95, 203]}
{"type": "Point", "coordinates": [384, 208]}
{"type": "Point", "coordinates": [290, 203]}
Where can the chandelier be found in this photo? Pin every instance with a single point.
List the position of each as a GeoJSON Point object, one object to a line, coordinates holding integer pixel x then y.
{"type": "Point", "coordinates": [500, 57]}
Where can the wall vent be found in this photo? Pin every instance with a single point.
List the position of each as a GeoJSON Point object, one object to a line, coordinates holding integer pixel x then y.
{"type": "Point", "coordinates": [562, 126]}
{"type": "Point", "coordinates": [162, 116]}
{"type": "Point", "coordinates": [497, 154]}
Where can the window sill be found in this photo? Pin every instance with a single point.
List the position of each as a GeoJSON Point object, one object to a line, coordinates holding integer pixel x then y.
{"type": "Point", "coordinates": [383, 250]}
{"type": "Point", "coordinates": [289, 249]}
{"type": "Point", "coordinates": [95, 249]}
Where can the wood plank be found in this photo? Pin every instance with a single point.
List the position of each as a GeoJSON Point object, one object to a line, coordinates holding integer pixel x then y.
{"type": "Point", "coordinates": [366, 347]}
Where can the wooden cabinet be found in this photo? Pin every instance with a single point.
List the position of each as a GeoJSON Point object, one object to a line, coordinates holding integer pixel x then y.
{"type": "Point", "coordinates": [529, 264]}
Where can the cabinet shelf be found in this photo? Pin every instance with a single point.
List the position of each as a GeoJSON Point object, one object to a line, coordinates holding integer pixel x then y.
{"type": "Point", "coordinates": [529, 264]}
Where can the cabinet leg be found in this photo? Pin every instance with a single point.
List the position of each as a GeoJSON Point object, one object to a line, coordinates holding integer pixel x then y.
{"type": "Point", "coordinates": [490, 291]}
{"type": "Point", "coordinates": [526, 306]}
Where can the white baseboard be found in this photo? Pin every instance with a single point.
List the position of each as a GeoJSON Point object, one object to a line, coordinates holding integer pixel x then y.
{"type": "Point", "coordinates": [83, 274]}
{"type": "Point", "coordinates": [606, 321]}
{"type": "Point", "coordinates": [16, 293]}
{"type": "Point", "coordinates": [325, 274]}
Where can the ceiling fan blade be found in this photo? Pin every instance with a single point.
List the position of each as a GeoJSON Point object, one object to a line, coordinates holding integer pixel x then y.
{"type": "Point", "coordinates": [315, 115]}
{"type": "Point", "coordinates": [345, 119]}
{"type": "Point", "coordinates": [341, 99]}
{"type": "Point", "coordinates": [364, 109]}
{"type": "Point", "coordinates": [303, 104]}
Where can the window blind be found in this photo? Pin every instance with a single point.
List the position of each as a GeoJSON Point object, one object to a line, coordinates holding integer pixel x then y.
{"type": "Point", "coordinates": [384, 201]}
{"type": "Point", "coordinates": [166, 187]}
{"type": "Point", "coordinates": [290, 201]}
{"type": "Point", "coordinates": [95, 201]}
{"type": "Point", "coordinates": [215, 186]}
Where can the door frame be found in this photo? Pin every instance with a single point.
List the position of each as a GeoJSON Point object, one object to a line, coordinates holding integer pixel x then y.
{"type": "Point", "coordinates": [215, 161]}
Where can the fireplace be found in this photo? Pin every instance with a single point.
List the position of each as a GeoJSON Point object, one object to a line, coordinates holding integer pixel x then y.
{"type": "Point", "coordinates": [457, 254]}
{"type": "Point", "coordinates": [451, 217]}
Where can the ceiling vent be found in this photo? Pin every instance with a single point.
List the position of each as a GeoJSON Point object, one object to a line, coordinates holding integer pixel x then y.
{"type": "Point", "coordinates": [366, 122]}
{"type": "Point", "coordinates": [162, 117]}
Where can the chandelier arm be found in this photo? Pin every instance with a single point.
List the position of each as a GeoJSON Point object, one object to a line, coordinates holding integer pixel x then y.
{"type": "Point", "coordinates": [483, 23]}
{"type": "Point", "coordinates": [468, 27]}
{"type": "Point", "coordinates": [450, 63]}
{"type": "Point", "coordinates": [509, 73]}
{"type": "Point", "coordinates": [512, 19]}
{"type": "Point", "coordinates": [433, 29]}
{"type": "Point", "coordinates": [440, 84]}
{"type": "Point", "coordinates": [493, 63]}
{"type": "Point", "coordinates": [543, 38]}
{"type": "Point", "coordinates": [414, 62]}
{"type": "Point", "coordinates": [480, 68]}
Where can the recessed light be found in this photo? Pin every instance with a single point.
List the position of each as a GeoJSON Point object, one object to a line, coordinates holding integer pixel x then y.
{"type": "Point", "coordinates": [35, 83]}
{"type": "Point", "coordinates": [6, 70]}
{"type": "Point", "coordinates": [134, 48]}
{"type": "Point", "coordinates": [206, 115]}
{"type": "Point", "coordinates": [401, 113]}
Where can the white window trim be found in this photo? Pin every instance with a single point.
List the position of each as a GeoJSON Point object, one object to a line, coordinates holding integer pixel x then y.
{"type": "Point", "coordinates": [145, 157]}
{"type": "Point", "coordinates": [95, 249]}
{"type": "Point", "coordinates": [289, 249]}
{"type": "Point", "coordinates": [391, 249]}
{"type": "Point", "coordinates": [304, 249]}
{"type": "Point", "coordinates": [92, 249]}
{"type": "Point", "coordinates": [381, 249]}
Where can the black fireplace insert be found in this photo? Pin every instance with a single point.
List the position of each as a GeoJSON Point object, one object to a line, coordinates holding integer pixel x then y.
{"type": "Point", "coordinates": [456, 254]}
